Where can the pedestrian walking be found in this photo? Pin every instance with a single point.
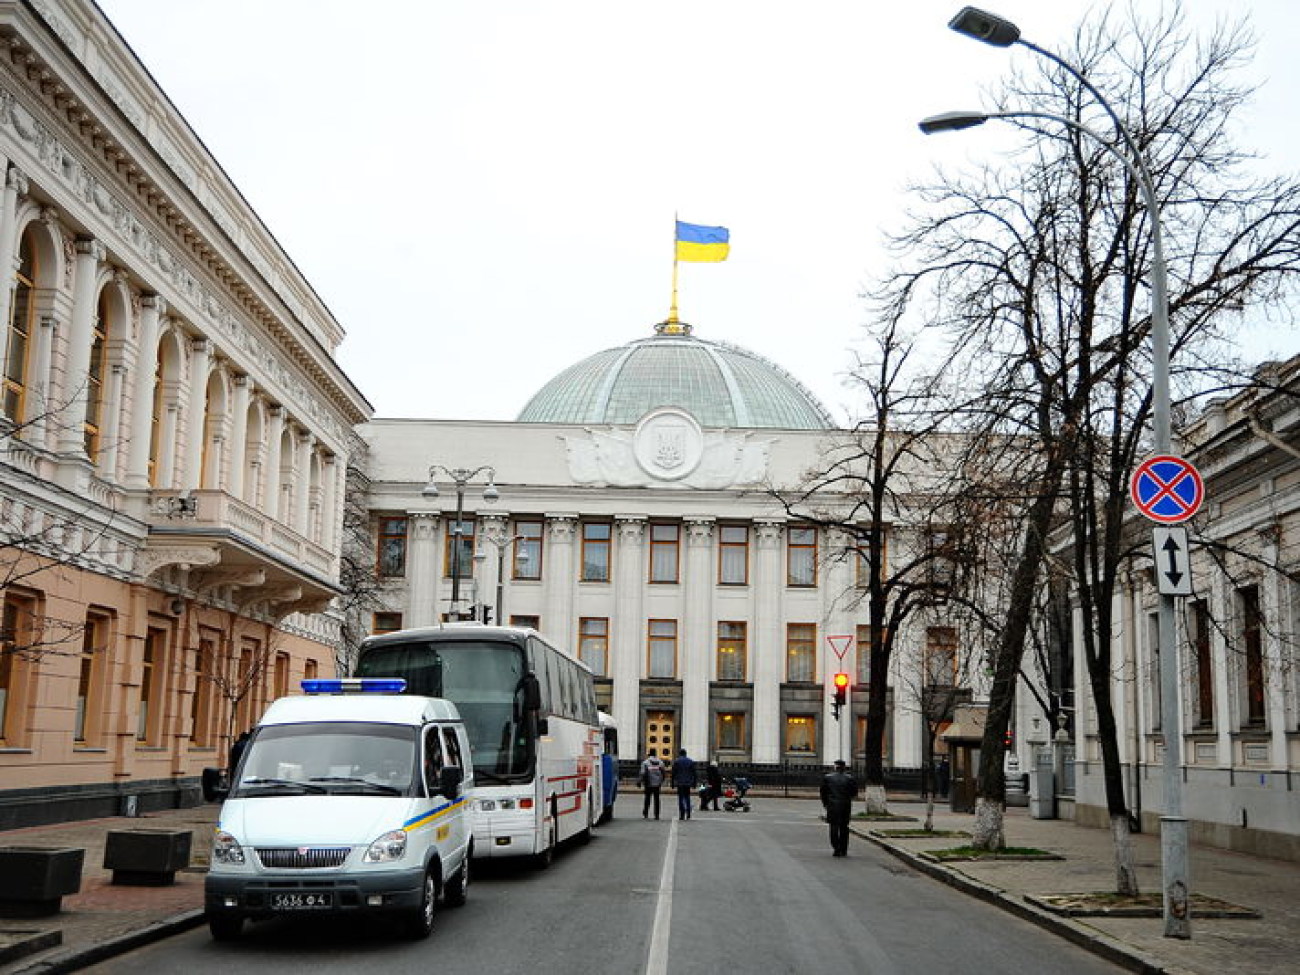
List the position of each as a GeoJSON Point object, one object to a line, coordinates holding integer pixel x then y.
{"type": "Point", "coordinates": [839, 789]}
{"type": "Point", "coordinates": [713, 778]}
{"type": "Point", "coordinates": [684, 778]}
{"type": "Point", "coordinates": [651, 780]}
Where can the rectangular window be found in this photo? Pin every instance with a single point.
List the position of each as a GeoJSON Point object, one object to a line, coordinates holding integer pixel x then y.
{"type": "Point", "coordinates": [310, 669]}
{"type": "Point", "coordinates": [527, 562]}
{"type": "Point", "coordinates": [281, 674]}
{"type": "Point", "coordinates": [732, 654]}
{"type": "Point", "coordinates": [733, 555]}
{"type": "Point", "coordinates": [940, 557]}
{"type": "Point", "coordinates": [1153, 643]}
{"type": "Point", "coordinates": [863, 652]}
{"type": "Point", "coordinates": [94, 648]}
{"type": "Point", "coordinates": [531, 622]}
{"type": "Point", "coordinates": [386, 622]}
{"type": "Point", "coordinates": [940, 656]}
{"type": "Point", "coordinates": [729, 731]}
{"type": "Point", "coordinates": [1198, 626]}
{"type": "Point", "coordinates": [665, 542]}
{"type": "Point", "coordinates": [205, 659]}
{"type": "Point", "coordinates": [392, 547]}
{"type": "Point", "coordinates": [593, 644]}
{"type": "Point", "coordinates": [800, 734]}
{"type": "Point", "coordinates": [458, 552]}
{"type": "Point", "coordinates": [15, 635]}
{"type": "Point", "coordinates": [595, 551]}
{"type": "Point", "coordinates": [149, 718]}
{"type": "Point", "coordinates": [1252, 646]}
{"type": "Point", "coordinates": [801, 557]}
{"type": "Point", "coordinates": [801, 652]}
{"type": "Point", "coordinates": [662, 636]}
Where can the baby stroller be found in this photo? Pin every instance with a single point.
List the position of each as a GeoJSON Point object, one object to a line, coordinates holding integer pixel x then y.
{"type": "Point", "coordinates": [735, 800]}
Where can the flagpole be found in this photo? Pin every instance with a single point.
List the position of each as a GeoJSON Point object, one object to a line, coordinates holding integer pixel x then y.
{"type": "Point", "coordinates": [672, 322]}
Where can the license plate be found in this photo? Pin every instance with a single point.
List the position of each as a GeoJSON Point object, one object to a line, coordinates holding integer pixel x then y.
{"type": "Point", "coordinates": [300, 902]}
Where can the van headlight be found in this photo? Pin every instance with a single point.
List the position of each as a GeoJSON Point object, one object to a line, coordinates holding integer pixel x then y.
{"type": "Point", "coordinates": [226, 849]}
{"type": "Point", "coordinates": [391, 846]}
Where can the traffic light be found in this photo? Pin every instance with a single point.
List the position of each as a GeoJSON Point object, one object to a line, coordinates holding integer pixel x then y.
{"type": "Point", "coordinates": [841, 682]}
{"type": "Point", "coordinates": [1009, 738]}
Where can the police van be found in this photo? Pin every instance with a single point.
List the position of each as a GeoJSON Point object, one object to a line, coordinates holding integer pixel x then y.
{"type": "Point", "coordinates": [349, 799]}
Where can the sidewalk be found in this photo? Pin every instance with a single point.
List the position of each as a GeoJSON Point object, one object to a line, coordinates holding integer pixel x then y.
{"type": "Point", "coordinates": [103, 920]}
{"type": "Point", "coordinates": [1270, 887]}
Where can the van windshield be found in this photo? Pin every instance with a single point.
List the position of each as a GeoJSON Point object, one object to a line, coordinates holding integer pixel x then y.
{"type": "Point", "coordinates": [329, 758]}
{"type": "Point", "coordinates": [483, 678]}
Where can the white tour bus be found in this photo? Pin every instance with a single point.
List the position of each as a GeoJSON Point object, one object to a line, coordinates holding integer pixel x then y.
{"type": "Point", "coordinates": [535, 735]}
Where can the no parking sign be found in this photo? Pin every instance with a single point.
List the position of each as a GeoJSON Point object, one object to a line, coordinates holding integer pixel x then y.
{"type": "Point", "coordinates": [1167, 489]}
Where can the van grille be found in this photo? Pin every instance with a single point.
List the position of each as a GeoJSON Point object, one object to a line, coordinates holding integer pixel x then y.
{"type": "Point", "coordinates": [302, 857]}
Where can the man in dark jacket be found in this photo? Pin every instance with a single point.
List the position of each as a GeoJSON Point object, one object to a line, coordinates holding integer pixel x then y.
{"type": "Point", "coordinates": [839, 789]}
{"type": "Point", "coordinates": [713, 778]}
{"type": "Point", "coordinates": [684, 781]}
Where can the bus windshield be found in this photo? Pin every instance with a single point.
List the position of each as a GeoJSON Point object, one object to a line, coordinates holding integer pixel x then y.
{"type": "Point", "coordinates": [483, 678]}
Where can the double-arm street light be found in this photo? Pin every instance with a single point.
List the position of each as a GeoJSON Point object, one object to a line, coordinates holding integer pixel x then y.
{"type": "Point", "coordinates": [501, 545]}
{"type": "Point", "coordinates": [995, 30]}
{"type": "Point", "coordinates": [461, 477]}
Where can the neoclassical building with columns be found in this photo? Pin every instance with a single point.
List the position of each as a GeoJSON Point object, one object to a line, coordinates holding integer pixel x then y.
{"type": "Point", "coordinates": [173, 438]}
{"type": "Point", "coordinates": [631, 521]}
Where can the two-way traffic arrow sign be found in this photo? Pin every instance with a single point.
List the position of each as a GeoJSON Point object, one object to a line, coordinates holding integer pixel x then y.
{"type": "Point", "coordinates": [1173, 561]}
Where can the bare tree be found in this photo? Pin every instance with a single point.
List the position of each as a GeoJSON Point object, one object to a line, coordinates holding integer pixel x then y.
{"type": "Point", "coordinates": [358, 572]}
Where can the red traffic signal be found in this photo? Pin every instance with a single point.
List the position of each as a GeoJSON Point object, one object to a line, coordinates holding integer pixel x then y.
{"type": "Point", "coordinates": [841, 681]}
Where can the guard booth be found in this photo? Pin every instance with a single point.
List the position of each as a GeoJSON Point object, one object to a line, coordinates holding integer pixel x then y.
{"type": "Point", "coordinates": [964, 737]}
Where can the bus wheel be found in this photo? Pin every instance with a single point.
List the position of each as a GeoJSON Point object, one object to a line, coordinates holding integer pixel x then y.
{"type": "Point", "coordinates": [418, 924]}
{"type": "Point", "coordinates": [546, 856]}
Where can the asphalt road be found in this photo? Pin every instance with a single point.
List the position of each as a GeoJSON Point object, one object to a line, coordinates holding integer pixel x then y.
{"type": "Point", "coordinates": [720, 893]}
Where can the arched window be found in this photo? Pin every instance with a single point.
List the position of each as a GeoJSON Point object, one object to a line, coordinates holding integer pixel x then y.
{"type": "Point", "coordinates": [95, 378]}
{"type": "Point", "coordinates": [18, 340]}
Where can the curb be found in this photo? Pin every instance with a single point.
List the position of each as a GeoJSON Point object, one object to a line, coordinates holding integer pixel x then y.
{"type": "Point", "coordinates": [77, 959]}
{"type": "Point", "coordinates": [1094, 941]}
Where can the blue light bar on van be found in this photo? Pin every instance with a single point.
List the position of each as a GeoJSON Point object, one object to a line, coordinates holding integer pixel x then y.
{"type": "Point", "coordinates": [354, 685]}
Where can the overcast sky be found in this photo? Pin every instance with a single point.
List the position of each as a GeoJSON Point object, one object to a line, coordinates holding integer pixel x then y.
{"type": "Point", "coordinates": [483, 191]}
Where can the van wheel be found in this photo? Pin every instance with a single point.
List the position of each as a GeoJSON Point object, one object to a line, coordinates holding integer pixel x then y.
{"type": "Point", "coordinates": [223, 927]}
{"type": "Point", "coordinates": [457, 890]}
{"type": "Point", "coordinates": [418, 925]}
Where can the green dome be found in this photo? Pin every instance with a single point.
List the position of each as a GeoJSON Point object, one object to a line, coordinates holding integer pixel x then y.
{"type": "Point", "coordinates": [720, 385]}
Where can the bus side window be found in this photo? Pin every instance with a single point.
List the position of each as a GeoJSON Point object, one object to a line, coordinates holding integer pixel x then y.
{"type": "Point", "coordinates": [432, 760]}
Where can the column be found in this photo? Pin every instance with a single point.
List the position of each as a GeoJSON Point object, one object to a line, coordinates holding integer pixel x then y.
{"type": "Point", "coordinates": [15, 186]}
{"type": "Point", "coordinates": [306, 442]}
{"type": "Point", "coordinates": [271, 472]}
{"type": "Point", "coordinates": [627, 649]}
{"type": "Point", "coordinates": [112, 429]}
{"type": "Point", "coordinates": [39, 365]}
{"type": "Point", "coordinates": [152, 308]}
{"type": "Point", "coordinates": [767, 649]}
{"type": "Point", "coordinates": [72, 437]}
{"type": "Point", "coordinates": [1272, 598]}
{"type": "Point", "coordinates": [329, 522]}
{"type": "Point", "coordinates": [196, 414]}
{"type": "Point", "coordinates": [561, 580]}
{"type": "Point", "coordinates": [422, 568]}
{"type": "Point", "coordinates": [699, 638]}
{"type": "Point", "coordinates": [238, 435]}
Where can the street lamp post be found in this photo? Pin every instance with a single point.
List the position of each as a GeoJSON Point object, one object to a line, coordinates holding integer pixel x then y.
{"type": "Point", "coordinates": [1000, 32]}
{"type": "Point", "coordinates": [461, 477]}
{"type": "Point", "coordinates": [501, 545]}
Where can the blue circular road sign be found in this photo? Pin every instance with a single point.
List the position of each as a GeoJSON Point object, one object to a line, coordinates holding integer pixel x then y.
{"type": "Point", "coordinates": [1167, 489]}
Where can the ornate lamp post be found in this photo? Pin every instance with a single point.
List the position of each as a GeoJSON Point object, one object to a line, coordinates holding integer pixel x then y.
{"type": "Point", "coordinates": [501, 545]}
{"type": "Point", "coordinates": [1000, 32]}
{"type": "Point", "coordinates": [461, 477]}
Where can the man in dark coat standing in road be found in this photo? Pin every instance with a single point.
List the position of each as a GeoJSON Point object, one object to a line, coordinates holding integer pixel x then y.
{"type": "Point", "coordinates": [684, 779]}
{"type": "Point", "coordinates": [839, 789]}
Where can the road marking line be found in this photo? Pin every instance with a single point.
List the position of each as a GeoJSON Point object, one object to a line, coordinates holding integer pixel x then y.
{"type": "Point", "coordinates": [657, 961]}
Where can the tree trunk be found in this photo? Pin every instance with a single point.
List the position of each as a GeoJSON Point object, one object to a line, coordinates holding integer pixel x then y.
{"type": "Point", "coordinates": [875, 797]}
{"type": "Point", "coordinates": [1126, 880]}
{"type": "Point", "coordinates": [929, 815]}
{"type": "Point", "coordinates": [988, 833]}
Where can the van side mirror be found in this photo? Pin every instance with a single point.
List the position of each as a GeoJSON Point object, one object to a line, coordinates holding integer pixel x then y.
{"type": "Point", "coordinates": [215, 787]}
{"type": "Point", "coordinates": [450, 779]}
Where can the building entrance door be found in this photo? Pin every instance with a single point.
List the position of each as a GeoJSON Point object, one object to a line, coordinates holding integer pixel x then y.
{"type": "Point", "coordinates": [660, 734]}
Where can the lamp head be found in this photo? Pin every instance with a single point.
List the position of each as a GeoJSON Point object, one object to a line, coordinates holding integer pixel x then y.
{"type": "Point", "coordinates": [490, 493]}
{"type": "Point", "coordinates": [430, 490]}
{"type": "Point", "coordinates": [986, 27]}
{"type": "Point", "coordinates": [952, 121]}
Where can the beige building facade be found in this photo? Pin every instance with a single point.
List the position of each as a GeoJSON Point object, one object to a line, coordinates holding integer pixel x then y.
{"type": "Point", "coordinates": [174, 442]}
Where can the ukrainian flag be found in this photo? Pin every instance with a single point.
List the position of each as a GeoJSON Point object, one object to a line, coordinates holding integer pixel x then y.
{"type": "Point", "coordinates": [697, 243]}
